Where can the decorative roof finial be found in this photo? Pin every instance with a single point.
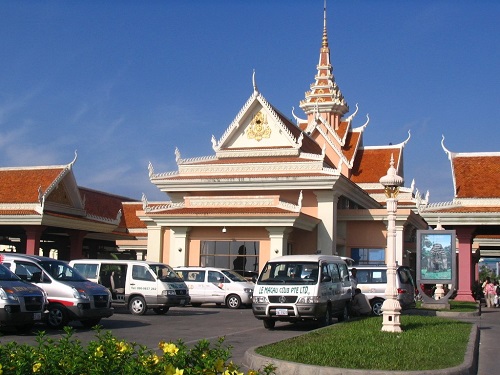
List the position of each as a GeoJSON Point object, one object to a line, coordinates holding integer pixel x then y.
{"type": "Point", "coordinates": [255, 90]}
{"type": "Point", "coordinates": [324, 44]}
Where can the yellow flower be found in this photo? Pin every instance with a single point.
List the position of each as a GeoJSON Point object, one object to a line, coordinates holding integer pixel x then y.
{"type": "Point", "coordinates": [178, 372]}
{"type": "Point", "coordinates": [252, 372]}
{"type": "Point", "coordinates": [37, 366]}
{"type": "Point", "coordinates": [122, 346]}
{"type": "Point", "coordinates": [1, 371]}
{"type": "Point", "coordinates": [98, 352]}
{"type": "Point", "coordinates": [169, 348]}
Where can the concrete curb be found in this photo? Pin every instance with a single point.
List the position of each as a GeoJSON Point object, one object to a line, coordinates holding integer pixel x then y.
{"type": "Point", "coordinates": [468, 367]}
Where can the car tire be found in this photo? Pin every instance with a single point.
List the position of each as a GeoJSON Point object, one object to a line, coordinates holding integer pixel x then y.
{"type": "Point", "coordinates": [161, 310]}
{"type": "Point", "coordinates": [269, 323]}
{"type": "Point", "coordinates": [377, 306]}
{"type": "Point", "coordinates": [137, 306]}
{"type": "Point", "coordinates": [57, 317]}
{"type": "Point", "coordinates": [233, 301]}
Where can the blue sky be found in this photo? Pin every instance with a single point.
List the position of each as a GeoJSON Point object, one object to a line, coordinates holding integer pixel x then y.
{"type": "Point", "coordinates": [125, 82]}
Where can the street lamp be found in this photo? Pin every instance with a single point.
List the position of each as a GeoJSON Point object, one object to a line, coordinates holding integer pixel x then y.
{"type": "Point", "coordinates": [391, 308]}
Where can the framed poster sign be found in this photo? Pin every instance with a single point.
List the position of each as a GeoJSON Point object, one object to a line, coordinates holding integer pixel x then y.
{"type": "Point", "coordinates": [436, 256]}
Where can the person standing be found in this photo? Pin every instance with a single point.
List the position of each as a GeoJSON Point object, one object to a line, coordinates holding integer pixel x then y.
{"type": "Point", "coordinates": [354, 281]}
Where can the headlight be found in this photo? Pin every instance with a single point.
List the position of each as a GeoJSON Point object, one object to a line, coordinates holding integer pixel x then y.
{"type": "Point", "coordinates": [168, 292]}
{"type": "Point", "coordinates": [260, 299]}
{"type": "Point", "coordinates": [8, 294]}
{"type": "Point", "coordinates": [310, 299]}
{"type": "Point", "coordinates": [248, 290]}
{"type": "Point", "coordinates": [80, 293]}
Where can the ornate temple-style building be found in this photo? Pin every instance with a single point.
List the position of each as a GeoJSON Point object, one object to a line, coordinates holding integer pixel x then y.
{"type": "Point", "coordinates": [275, 187]}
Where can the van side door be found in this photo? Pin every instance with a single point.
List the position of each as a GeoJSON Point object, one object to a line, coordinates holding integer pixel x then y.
{"type": "Point", "coordinates": [214, 291]}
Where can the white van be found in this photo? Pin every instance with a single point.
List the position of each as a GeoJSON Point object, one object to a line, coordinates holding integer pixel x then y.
{"type": "Point", "coordinates": [372, 280]}
{"type": "Point", "coordinates": [22, 304]}
{"type": "Point", "coordinates": [295, 288]}
{"type": "Point", "coordinates": [136, 284]}
{"type": "Point", "coordinates": [216, 285]}
{"type": "Point", "coordinates": [70, 295]}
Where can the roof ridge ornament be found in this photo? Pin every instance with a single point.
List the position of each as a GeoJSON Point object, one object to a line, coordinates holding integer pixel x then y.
{"type": "Point", "coordinates": [448, 152]}
{"type": "Point", "coordinates": [70, 165]}
{"type": "Point", "coordinates": [255, 89]}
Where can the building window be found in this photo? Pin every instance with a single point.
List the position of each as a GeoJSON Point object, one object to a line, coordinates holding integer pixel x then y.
{"type": "Point", "coordinates": [241, 256]}
{"type": "Point", "coordinates": [368, 256]}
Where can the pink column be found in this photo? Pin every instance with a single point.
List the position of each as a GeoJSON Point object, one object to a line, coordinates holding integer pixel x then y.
{"type": "Point", "coordinates": [76, 244]}
{"type": "Point", "coordinates": [465, 266]}
{"type": "Point", "coordinates": [33, 235]}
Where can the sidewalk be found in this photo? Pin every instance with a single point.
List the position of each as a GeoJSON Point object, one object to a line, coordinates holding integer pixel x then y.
{"type": "Point", "coordinates": [489, 335]}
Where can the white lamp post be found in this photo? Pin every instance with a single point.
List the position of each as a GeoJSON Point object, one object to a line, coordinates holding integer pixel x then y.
{"type": "Point", "coordinates": [391, 308]}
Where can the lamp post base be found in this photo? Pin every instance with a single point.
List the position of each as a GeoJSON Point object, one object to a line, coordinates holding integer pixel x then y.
{"type": "Point", "coordinates": [391, 311]}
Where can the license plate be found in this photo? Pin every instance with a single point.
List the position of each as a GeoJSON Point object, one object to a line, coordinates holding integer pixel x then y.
{"type": "Point", "coordinates": [183, 301]}
{"type": "Point", "coordinates": [281, 312]}
{"type": "Point", "coordinates": [37, 316]}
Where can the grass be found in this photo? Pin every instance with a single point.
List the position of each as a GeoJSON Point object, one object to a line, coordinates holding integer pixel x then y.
{"type": "Point", "coordinates": [426, 343]}
{"type": "Point", "coordinates": [457, 306]}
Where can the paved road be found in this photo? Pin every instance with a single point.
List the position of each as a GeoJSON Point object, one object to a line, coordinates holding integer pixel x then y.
{"type": "Point", "coordinates": [240, 328]}
{"type": "Point", "coordinates": [190, 324]}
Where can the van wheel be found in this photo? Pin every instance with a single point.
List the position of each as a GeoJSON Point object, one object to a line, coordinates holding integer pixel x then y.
{"type": "Point", "coordinates": [327, 318]}
{"type": "Point", "coordinates": [233, 301]}
{"type": "Point", "coordinates": [345, 314]}
{"type": "Point", "coordinates": [137, 306]}
{"type": "Point", "coordinates": [269, 323]}
{"type": "Point", "coordinates": [58, 317]}
{"type": "Point", "coordinates": [161, 310]}
{"type": "Point", "coordinates": [377, 306]}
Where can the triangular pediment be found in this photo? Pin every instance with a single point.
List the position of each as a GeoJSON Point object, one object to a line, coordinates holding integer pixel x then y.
{"type": "Point", "coordinates": [63, 194]}
{"type": "Point", "coordinates": [259, 127]}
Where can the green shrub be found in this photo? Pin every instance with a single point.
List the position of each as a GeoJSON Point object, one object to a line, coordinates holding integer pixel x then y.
{"type": "Point", "coordinates": [109, 355]}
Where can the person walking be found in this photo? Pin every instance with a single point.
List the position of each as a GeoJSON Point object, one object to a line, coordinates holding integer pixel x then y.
{"type": "Point", "coordinates": [489, 292]}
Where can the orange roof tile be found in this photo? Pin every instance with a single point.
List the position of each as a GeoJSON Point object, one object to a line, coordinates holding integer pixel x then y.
{"type": "Point", "coordinates": [21, 185]}
{"type": "Point", "coordinates": [477, 176]}
{"type": "Point", "coordinates": [371, 164]}
{"type": "Point", "coordinates": [129, 218]}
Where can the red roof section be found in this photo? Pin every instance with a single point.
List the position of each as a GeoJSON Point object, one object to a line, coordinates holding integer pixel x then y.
{"type": "Point", "coordinates": [477, 176]}
{"type": "Point", "coordinates": [21, 185]}
{"type": "Point", "coordinates": [129, 218]}
{"type": "Point", "coordinates": [371, 164]}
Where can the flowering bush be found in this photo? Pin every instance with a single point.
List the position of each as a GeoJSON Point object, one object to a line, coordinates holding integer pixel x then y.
{"type": "Point", "coordinates": [108, 355]}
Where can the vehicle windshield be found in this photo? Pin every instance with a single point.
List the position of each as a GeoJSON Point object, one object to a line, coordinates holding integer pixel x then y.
{"type": "Point", "coordinates": [165, 273]}
{"type": "Point", "coordinates": [292, 273]}
{"type": "Point", "coordinates": [61, 271]}
{"type": "Point", "coordinates": [233, 276]}
{"type": "Point", "coordinates": [6, 275]}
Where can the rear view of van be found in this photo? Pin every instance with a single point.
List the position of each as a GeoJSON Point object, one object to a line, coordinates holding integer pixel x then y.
{"type": "Point", "coordinates": [372, 280]}
{"type": "Point", "coordinates": [71, 296]}
{"type": "Point", "coordinates": [137, 285]}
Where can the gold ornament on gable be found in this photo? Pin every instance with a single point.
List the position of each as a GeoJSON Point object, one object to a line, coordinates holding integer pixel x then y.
{"type": "Point", "coordinates": [259, 128]}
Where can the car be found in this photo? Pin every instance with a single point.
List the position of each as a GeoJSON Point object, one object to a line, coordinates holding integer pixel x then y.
{"type": "Point", "coordinates": [216, 285]}
{"type": "Point", "coordinates": [372, 280]}
{"type": "Point", "coordinates": [71, 296]}
{"type": "Point", "coordinates": [22, 304]}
